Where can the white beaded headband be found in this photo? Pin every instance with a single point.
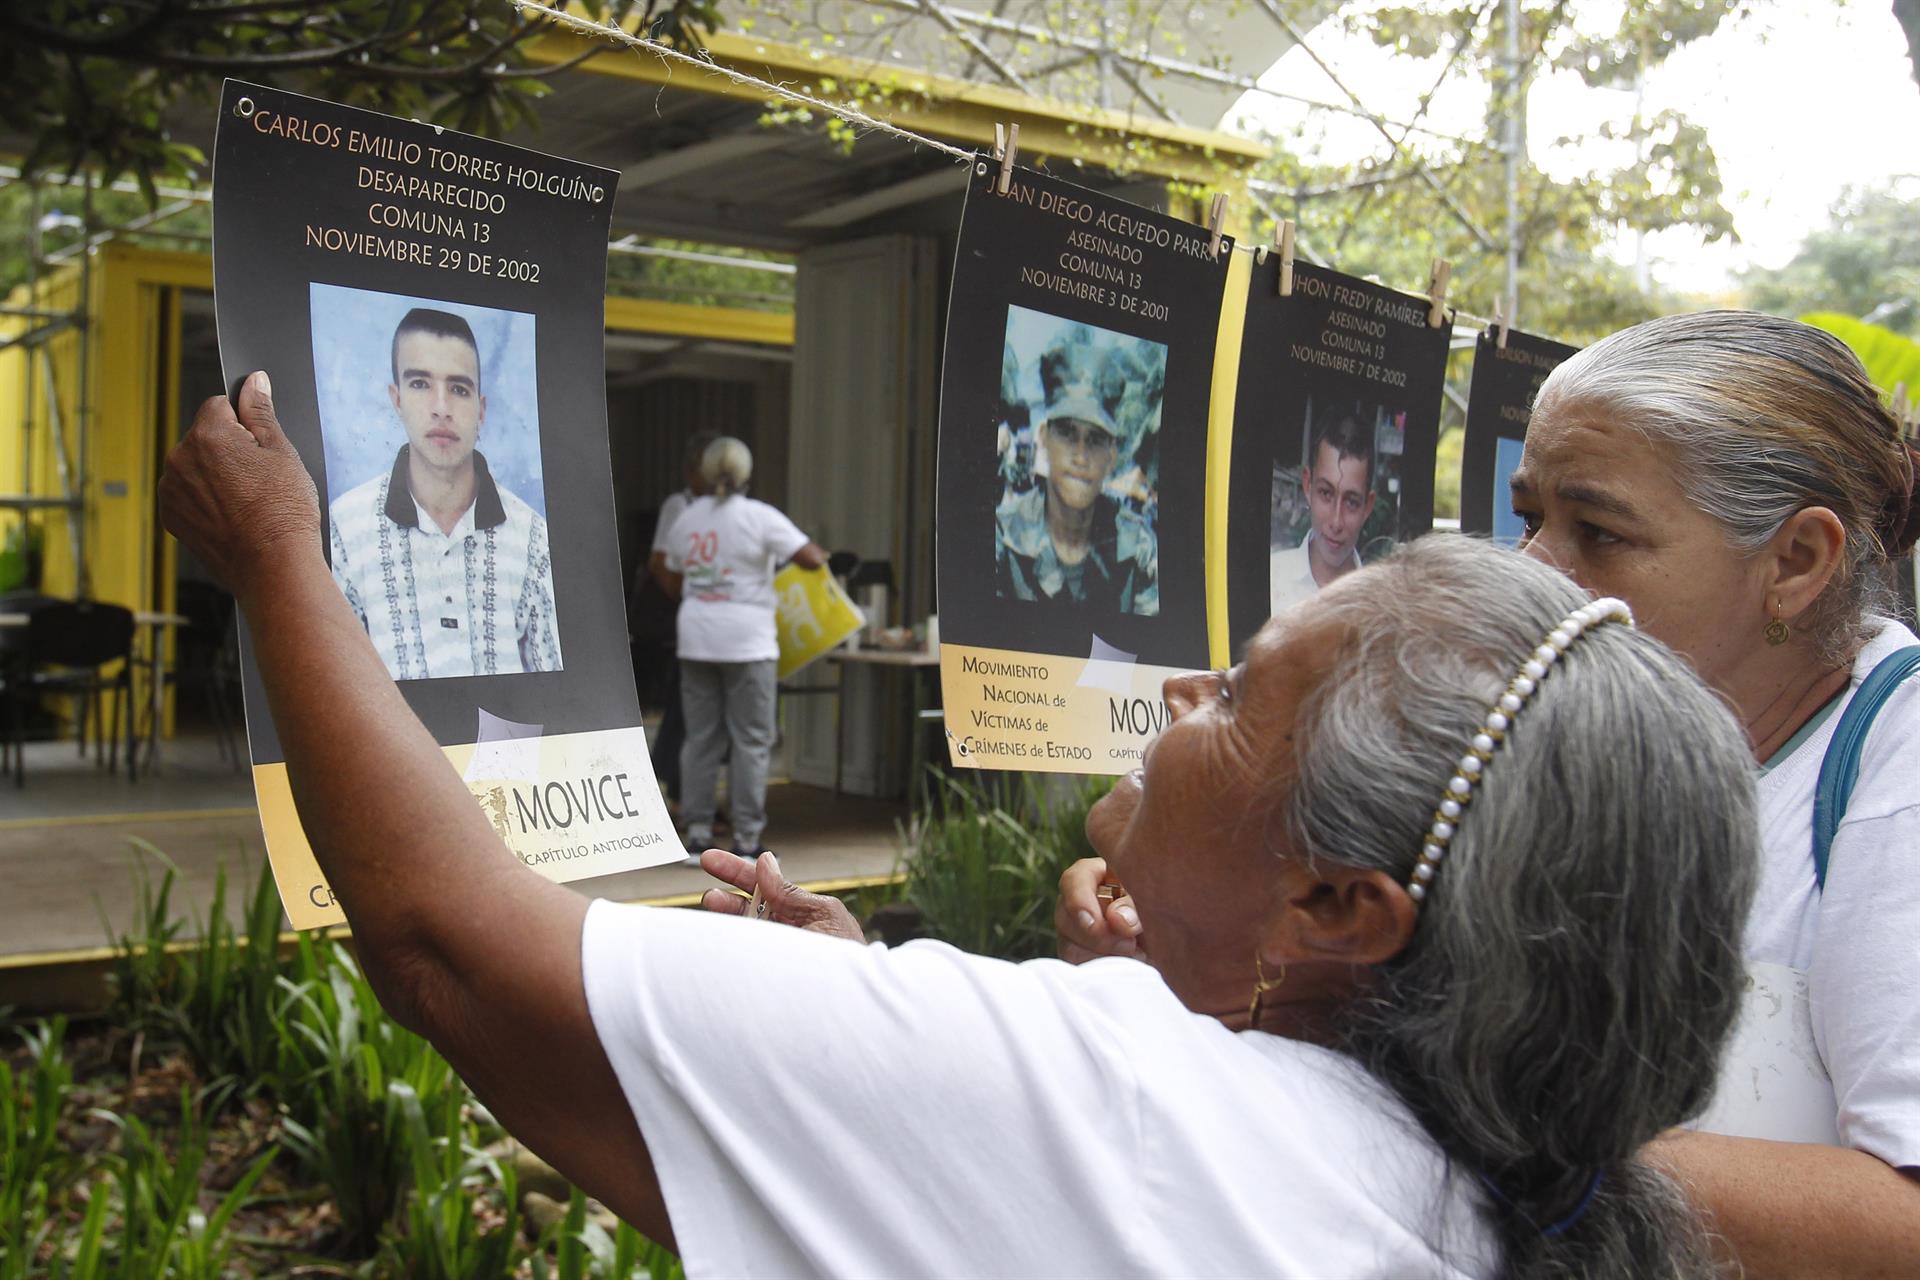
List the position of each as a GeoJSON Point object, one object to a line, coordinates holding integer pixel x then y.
{"type": "Point", "coordinates": [1493, 731]}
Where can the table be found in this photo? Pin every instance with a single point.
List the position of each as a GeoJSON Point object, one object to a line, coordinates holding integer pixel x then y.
{"type": "Point", "coordinates": [912, 661]}
{"type": "Point", "coordinates": [154, 625]}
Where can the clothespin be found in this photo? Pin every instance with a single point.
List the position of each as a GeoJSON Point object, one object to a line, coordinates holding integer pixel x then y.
{"type": "Point", "coordinates": [1500, 325]}
{"type": "Point", "coordinates": [1437, 292]}
{"type": "Point", "coordinates": [1285, 236]}
{"type": "Point", "coordinates": [1216, 220]}
{"type": "Point", "coordinates": [1899, 405]}
{"type": "Point", "coordinates": [1006, 146]}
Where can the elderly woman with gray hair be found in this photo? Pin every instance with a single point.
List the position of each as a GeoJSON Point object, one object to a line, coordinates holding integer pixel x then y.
{"type": "Point", "coordinates": [1736, 478]}
{"type": "Point", "coordinates": [721, 555]}
{"type": "Point", "coordinates": [1443, 882]}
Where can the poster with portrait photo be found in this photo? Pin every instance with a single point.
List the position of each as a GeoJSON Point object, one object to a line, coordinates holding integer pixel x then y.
{"type": "Point", "coordinates": [1072, 480]}
{"type": "Point", "coordinates": [431, 308]}
{"type": "Point", "coordinates": [1336, 419]}
{"type": "Point", "coordinates": [1499, 402]}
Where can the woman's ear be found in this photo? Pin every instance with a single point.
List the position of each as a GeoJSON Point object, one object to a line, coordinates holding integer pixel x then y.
{"type": "Point", "coordinates": [1804, 556]}
{"type": "Point", "coordinates": [1339, 915]}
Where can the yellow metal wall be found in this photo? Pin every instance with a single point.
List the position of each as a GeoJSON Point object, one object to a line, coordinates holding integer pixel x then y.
{"type": "Point", "coordinates": [131, 409]}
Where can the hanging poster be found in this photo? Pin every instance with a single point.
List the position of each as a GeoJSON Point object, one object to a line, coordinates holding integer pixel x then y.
{"type": "Point", "coordinates": [1073, 440]}
{"type": "Point", "coordinates": [430, 306]}
{"type": "Point", "coordinates": [1499, 402]}
{"type": "Point", "coordinates": [1336, 418]}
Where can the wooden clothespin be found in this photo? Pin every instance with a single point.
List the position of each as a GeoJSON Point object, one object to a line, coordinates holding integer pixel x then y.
{"type": "Point", "coordinates": [1006, 147]}
{"type": "Point", "coordinates": [1899, 405]}
{"type": "Point", "coordinates": [1285, 237]}
{"type": "Point", "coordinates": [1437, 292]}
{"type": "Point", "coordinates": [1216, 222]}
{"type": "Point", "coordinates": [1500, 319]}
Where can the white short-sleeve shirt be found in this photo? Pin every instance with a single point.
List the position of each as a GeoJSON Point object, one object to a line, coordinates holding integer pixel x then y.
{"type": "Point", "coordinates": [727, 551]}
{"type": "Point", "coordinates": [1857, 941]}
{"type": "Point", "coordinates": [816, 1107]}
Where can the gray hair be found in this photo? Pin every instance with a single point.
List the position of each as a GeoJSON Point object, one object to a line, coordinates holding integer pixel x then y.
{"type": "Point", "coordinates": [1765, 418]}
{"type": "Point", "coordinates": [726, 466]}
{"type": "Point", "coordinates": [1576, 968]}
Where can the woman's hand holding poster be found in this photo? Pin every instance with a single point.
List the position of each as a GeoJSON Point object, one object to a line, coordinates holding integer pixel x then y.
{"type": "Point", "coordinates": [430, 307]}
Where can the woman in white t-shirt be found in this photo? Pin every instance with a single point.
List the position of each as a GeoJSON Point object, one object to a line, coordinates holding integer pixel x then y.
{"type": "Point", "coordinates": [721, 555]}
{"type": "Point", "coordinates": [1737, 480]}
{"type": "Point", "coordinates": [1439, 881]}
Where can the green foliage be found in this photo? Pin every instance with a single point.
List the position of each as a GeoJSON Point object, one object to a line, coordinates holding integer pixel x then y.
{"type": "Point", "coordinates": [1369, 219]}
{"type": "Point", "coordinates": [1890, 359]}
{"type": "Point", "coordinates": [701, 283]}
{"type": "Point", "coordinates": [33, 1163]}
{"type": "Point", "coordinates": [354, 1084]}
{"type": "Point", "coordinates": [94, 82]}
{"type": "Point", "coordinates": [365, 1109]}
{"type": "Point", "coordinates": [1865, 262]}
{"type": "Point", "coordinates": [164, 1228]}
{"type": "Point", "coordinates": [441, 1236]}
{"type": "Point", "coordinates": [1446, 472]}
{"type": "Point", "coordinates": [983, 861]}
{"type": "Point", "coordinates": [220, 998]}
{"type": "Point", "coordinates": [583, 1250]}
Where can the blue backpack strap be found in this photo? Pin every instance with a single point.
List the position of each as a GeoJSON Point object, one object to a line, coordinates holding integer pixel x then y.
{"type": "Point", "coordinates": [1841, 765]}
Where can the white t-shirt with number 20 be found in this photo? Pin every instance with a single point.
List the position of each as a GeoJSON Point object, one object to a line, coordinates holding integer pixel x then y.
{"type": "Point", "coordinates": [726, 551]}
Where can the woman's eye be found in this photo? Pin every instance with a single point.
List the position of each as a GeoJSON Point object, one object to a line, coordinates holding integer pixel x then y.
{"type": "Point", "coordinates": [1594, 533]}
{"type": "Point", "coordinates": [1223, 686]}
{"type": "Point", "coordinates": [1529, 524]}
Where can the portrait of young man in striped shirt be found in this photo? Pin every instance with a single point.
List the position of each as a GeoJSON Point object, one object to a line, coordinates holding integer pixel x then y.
{"type": "Point", "coordinates": [450, 572]}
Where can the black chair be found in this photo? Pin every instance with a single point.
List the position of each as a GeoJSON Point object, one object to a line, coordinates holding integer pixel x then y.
{"type": "Point", "coordinates": [69, 642]}
{"type": "Point", "coordinates": [17, 702]}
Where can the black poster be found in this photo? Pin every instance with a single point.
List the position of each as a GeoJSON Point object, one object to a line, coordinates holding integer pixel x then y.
{"type": "Point", "coordinates": [430, 306]}
{"type": "Point", "coordinates": [1335, 423]}
{"type": "Point", "coordinates": [1073, 456]}
{"type": "Point", "coordinates": [1505, 382]}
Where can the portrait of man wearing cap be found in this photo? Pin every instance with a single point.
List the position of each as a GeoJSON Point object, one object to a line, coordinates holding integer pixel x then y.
{"type": "Point", "coordinates": [1078, 536]}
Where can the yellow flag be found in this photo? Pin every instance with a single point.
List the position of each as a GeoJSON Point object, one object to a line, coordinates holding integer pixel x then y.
{"type": "Point", "coordinates": [812, 613]}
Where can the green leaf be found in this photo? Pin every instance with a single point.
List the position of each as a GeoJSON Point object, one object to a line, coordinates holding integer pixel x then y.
{"type": "Point", "coordinates": [1890, 359]}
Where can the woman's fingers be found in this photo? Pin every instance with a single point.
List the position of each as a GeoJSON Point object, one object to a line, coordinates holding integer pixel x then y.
{"type": "Point", "coordinates": [729, 868]}
{"type": "Point", "coordinates": [1088, 927]}
{"type": "Point", "coordinates": [1122, 919]}
{"type": "Point", "coordinates": [723, 903]}
{"type": "Point", "coordinates": [1080, 894]}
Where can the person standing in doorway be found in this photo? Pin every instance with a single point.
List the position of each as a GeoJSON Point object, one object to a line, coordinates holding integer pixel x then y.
{"type": "Point", "coordinates": [673, 726]}
{"type": "Point", "coordinates": [721, 556]}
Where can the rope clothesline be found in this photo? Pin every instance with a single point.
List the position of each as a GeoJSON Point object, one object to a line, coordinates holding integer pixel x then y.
{"type": "Point", "coordinates": [851, 115]}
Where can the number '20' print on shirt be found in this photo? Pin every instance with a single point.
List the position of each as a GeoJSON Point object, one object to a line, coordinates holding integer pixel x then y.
{"type": "Point", "coordinates": [707, 580]}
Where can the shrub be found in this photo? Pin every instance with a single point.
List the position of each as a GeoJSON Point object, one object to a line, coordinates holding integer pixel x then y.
{"type": "Point", "coordinates": [218, 998]}
{"type": "Point", "coordinates": [349, 1079]}
{"type": "Point", "coordinates": [34, 1166]}
{"type": "Point", "coordinates": [982, 864]}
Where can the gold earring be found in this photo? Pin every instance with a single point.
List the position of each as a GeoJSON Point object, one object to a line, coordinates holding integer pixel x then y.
{"type": "Point", "coordinates": [1778, 632]}
{"type": "Point", "coordinates": [1261, 985]}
